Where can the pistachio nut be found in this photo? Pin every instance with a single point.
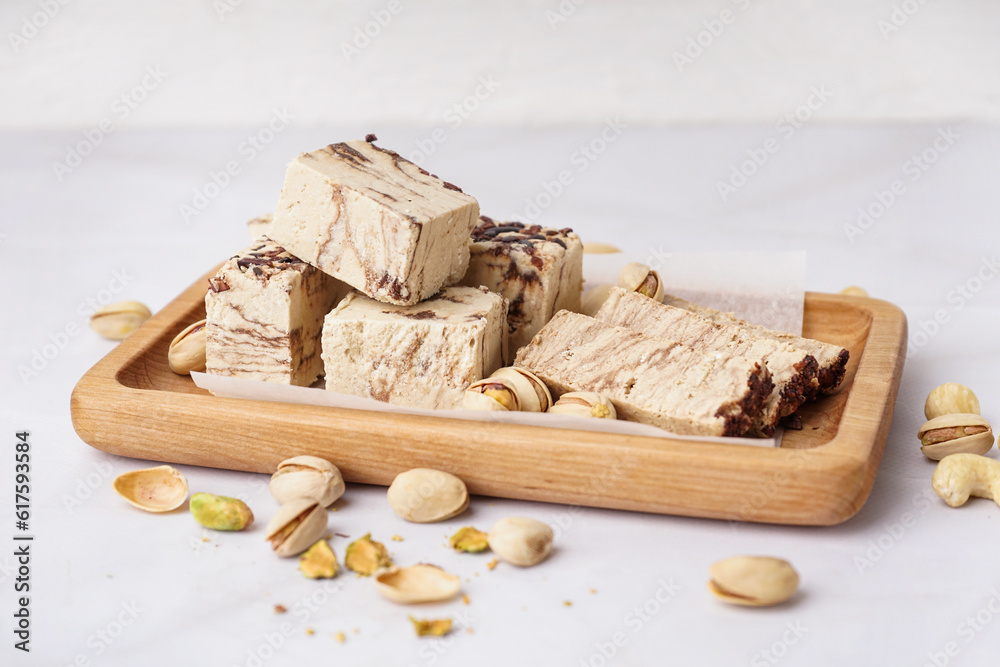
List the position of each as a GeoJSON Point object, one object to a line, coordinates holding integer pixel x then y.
{"type": "Point", "coordinates": [366, 556]}
{"type": "Point", "coordinates": [469, 540]}
{"type": "Point", "coordinates": [220, 512]}
{"type": "Point", "coordinates": [431, 627]}
{"type": "Point", "coordinates": [417, 583]}
{"type": "Point", "coordinates": [187, 350]}
{"type": "Point", "coordinates": [599, 249]}
{"type": "Point", "coordinates": [296, 526]}
{"type": "Point", "coordinates": [158, 489]}
{"type": "Point", "coordinates": [425, 495]}
{"type": "Point", "coordinates": [585, 404]}
{"type": "Point", "coordinates": [117, 320]}
{"type": "Point", "coordinates": [319, 561]}
{"type": "Point", "coordinates": [640, 278]}
{"type": "Point", "coordinates": [951, 398]}
{"type": "Point", "coordinates": [531, 393]}
{"type": "Point", "coordinates": [521, 541]}
{"type": "Point", "coordinates": [307, 477]}
{"type": "Point", "coordinates": [854, 290]}
{"type": "Point", "coordinates": [955, 434]}
{"type": "Point", "coordinates": [594, 298]}
{"type": "Point", "coordinates": [495, 394]}
{"type": "Point", "coordinates": [753, 581]}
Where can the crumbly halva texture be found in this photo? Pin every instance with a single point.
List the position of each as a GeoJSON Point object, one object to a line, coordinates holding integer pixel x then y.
{"type": "Point", "coordinates": [422, 356]}
{"type": "Point", "coordinates": [831, 359]}
{"type": "Point", "coordinates": [264, 314]}
{"type": "Point", "coordinates": [538, 269]}
{"type": "Point", "coordinates": [380, 223]}
{"type": "Point", "coordinates": [669, 385]}
{"type": "Point", "coordinates": [792, 369]}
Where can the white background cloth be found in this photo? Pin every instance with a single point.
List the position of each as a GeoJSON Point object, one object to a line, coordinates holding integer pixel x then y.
{"type": "Point", "coordinates": [895, 584]}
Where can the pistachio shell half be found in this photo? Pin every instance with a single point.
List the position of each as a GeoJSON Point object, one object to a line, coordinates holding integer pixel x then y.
{"type": "Point", "coordinates": [117, 320]}
{"type": "Point", "coordinates": [296, 526]}
{"type": "Point", "coordinates": [753, 581]}
{"type": "Point", "coordinates": [307, 477]}
{"type": "Point", "coordinates": [585, 404]}
{"type": "Point", "coordinates": [417, 583]}
{"type": "Point", "coordinates": [425, 495]}
{"type": "Point", "coordinates": [158, 489]}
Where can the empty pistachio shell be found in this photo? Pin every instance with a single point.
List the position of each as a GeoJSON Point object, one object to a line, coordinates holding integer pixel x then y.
{"type": "Point", "coordinates": [307, 477]}
{"type": "Point", "coordinates": [640, 278]}
{"type": "Point", "coordinates": [417, 583]}
{"type": "Point", "coordinates": [532, 394]}
{"type": "Point", "coordinates": [319, 561]}
{"type": "Point", "coordinates": [594, 298]}
{"type": "Point", "coordinates": [118, 320]}
{"type": "Point", "coordinates": [220, 512]}
{"type": "Point", "coordinates": [955, 434]}
{"type": "Point", "coordinates": [366, 556]}
{"type": "Point", "coordinates": [425, 495]}
{"type": "Point", "coordinates": [158, 489]}
{"type": "Point", "coordinates": [951, 398]}
{"type": "Point", "coordinates": [296, 526]}
{"type": "Point", "coordinates": [426, 627]}
{"type": "Point", "coordinates": [491, 390]}
{"type": "Point", "coordinates": [187, 350]}
{"type": "Point", "coordinates": [585, 404]}
{"type": "Point", "coordinates": [469, 540]}
{"type": "Point", "coordinates": [753, 581]}
{"type": "Point", "coordinates": [599, 249]}
{"type": "Point", "coordinates": [521, 541]}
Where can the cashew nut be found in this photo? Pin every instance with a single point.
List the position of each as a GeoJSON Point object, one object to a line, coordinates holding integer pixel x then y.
{"type": "Point", "coordinates": [959, 476]}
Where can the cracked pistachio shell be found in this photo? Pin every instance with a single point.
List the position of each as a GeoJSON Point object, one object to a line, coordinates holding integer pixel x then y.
{"type": "Point", "coordinates": [366, 556]}
{"type": "Point", "coordinates": [532, 394]}
{"type": "Point", "coordinates": [469, 540]}
{"type": "Point", "coordinates": [955, 434]}
{"type": "Point", "coordinates": [158, 489]}
{"type": "Point", "coordinates": [498, 390]}
{"type": "Point", "coordinates": [417, 583]}
{"type": "Point", "coordinates": [220, 512]}
{"type": "Point", "coordinates": [319, 561]}
{"type": "Point", "coordinates": [640, 278]}
{"type": "Point", "coordinates": [521, 541]}
{"type": "Point", "coordinates": [117, 320]}
{"type": "Point", "coordinates": [753, 581]}
{"type": "Point", "coordinates": [307, 477]}
{"type": "Point", "coordinates": [296, 526]}
{"type": "Point", "coordinates": [187, 350]}
{"type": "Point", "coordinates": [585, 404]}
{"type": "Point", "coordinates": [951, 398]}
{"type": "Point", "coordinates": [425, 495]}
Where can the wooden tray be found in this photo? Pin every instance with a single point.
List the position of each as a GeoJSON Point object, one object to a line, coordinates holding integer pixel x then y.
{"type": "Point", "coordinates": [131, 404]}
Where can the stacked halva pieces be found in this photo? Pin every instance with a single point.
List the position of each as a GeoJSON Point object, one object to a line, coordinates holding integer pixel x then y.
{"type": "Point", "coordinates": [373, 248]}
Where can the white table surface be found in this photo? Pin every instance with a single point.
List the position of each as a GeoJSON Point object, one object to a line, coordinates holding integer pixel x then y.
{"type": "Point", "coordinates": [111, 585]}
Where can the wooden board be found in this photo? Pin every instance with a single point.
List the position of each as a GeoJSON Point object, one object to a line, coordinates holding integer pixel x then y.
{"type": "Point", "coordinates": [131, 404]}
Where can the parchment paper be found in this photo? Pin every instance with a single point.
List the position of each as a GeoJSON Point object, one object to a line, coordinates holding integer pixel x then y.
{"type": "Point", "coordinates": [766, 289]}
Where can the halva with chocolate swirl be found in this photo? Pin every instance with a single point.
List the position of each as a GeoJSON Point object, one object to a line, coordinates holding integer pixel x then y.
{"type": "Point", "coordinates": [656, 382]}
{"type": "Point", "coordinates": [792, 369]}
{"type": "Point", "coordinates": [264, 313]}
{"type": "Point", "coordinates": [831, 359]}
{"type": "Point", "coordinates": [380, 223]}
{"type": "Point", "coordinates": [422, 356]}
{"type": "Point", "coordinates": [538, 269]}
